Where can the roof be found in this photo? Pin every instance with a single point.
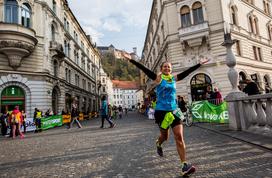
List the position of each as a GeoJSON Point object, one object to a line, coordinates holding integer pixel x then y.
{"type": "Point", "coordinates": [125, 84]}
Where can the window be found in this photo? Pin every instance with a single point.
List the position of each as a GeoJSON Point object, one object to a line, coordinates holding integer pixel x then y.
{"type": "Point", "coordinates": [266, 7]}
{"type": "Point", "coordinates": [269, 30]}
{"type": "Point", "coordinates": [83, 63]}
{"type": "Point", "coordinates": [197, 13]}
{"type": "Point", "coordinates": [84, 84]}
{"type": "Point", "coordinates": [26, 15]}
{"type": "Point", "coordinates": [69, 76]}
{"type": "Point", "coordinates": [54, 6]}
{"type": "Point", "coordinates": [11, 11]}
{"type": "Point", "coordinates": [185, 16]}
{"type": "Point", "coordinates": [55, 68]}
{"type": "Point", "coordinates": [257, 53]}
{"type": "Point", "coordinates": [53, 35]}
{"type": "Point", "coordinates": [76, 80]}
{"type": "Point", "coordinates": [104, 89]}
{"type": "Point", "coordinates": [66, 74]}
{"type": "Point", "coordinates": [234, 15]}
{"type": "Point", "coordinates": [238, 48]}
{"type": "Point", "coordinates": [253, 22]}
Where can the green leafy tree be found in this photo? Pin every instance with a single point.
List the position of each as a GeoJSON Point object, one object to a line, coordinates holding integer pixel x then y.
{"type": "Point", "coordinates": [119, 69]}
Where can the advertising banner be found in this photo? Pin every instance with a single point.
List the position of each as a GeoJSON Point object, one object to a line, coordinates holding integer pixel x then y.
{"type": "Point", "coordinates": [52, 121]}
{"type": "Point", "coordinates": [30, 125]}
{"type": "Point", "coordinates": [204, 111]}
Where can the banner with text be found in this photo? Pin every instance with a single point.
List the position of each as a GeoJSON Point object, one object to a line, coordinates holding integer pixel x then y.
{"type": "Point", "coordinates": [204, 111]}
{"type": "Point", "coordinates": [52, 121]}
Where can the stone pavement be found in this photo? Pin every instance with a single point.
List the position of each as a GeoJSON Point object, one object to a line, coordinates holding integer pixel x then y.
{"type": "Point", "coordinates": [128, 151]}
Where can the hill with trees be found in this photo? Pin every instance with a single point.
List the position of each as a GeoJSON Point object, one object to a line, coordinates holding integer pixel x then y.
{"type": "Point", "coordinates": [119, 69]}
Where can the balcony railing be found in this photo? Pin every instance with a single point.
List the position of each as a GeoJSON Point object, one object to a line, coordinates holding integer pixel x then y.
{"type": "Point", "coordinates": [194, 32]}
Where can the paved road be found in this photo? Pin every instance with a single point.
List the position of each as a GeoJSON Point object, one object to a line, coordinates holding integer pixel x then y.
{"type": "Point", "coordinates": [128, 151]}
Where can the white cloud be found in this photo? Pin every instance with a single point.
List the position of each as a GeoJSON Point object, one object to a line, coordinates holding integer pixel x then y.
{"type": "Point", "coordinates": [112, 25]}
{"type": "Point", "coordinates": [100, 17]}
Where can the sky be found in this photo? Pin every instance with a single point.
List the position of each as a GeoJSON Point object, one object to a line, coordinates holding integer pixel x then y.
{"type": "Point", "coordinates": [122, 23]}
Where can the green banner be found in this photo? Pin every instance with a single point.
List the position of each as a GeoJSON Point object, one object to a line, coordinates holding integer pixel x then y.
{"type": "Point", "coordinates": [204, 111]}
{"type": "Point", "coordinates": [52, 121]}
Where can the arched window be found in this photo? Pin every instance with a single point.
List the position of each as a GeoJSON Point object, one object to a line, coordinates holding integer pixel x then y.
{"type": "Point", "coordinates": [199, 84]}
{"type": "Point", "coordinates": [253, 22]}
{"type": "Point", "coordinates": [25, 15]}
{"type": "Point", "coordinates": [234, 15]}
{"type": "Point", "coordinates": [11, 11]}
{"type": "Point", "coordinates": [198, 13]}
{"type": "Point", "coordinates": [185, 16]}
{"type": "Point", "coordinates": [56, 68]}
{"type": "Point", "coordinates": [256, 28]}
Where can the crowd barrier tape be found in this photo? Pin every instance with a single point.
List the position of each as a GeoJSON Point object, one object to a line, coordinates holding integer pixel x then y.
{"type": "Point", "coordinates": [204, 111]}
{"type": "Point", "coordinates": [66, 118]}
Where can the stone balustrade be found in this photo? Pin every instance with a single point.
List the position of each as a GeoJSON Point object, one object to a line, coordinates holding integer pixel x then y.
{"type": "Point", "coordinates": [251, 113]}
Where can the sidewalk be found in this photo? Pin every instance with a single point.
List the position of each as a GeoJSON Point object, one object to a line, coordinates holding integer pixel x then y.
{"type": "Point", "coordinates": [251, 138]}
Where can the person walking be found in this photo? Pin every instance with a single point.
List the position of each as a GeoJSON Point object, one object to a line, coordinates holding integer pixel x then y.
{"type": "Point", "coordinates": [74, 117]}
{"type": "Point", "coordinates": [165, 107]}
{"type": "Point", "coordinates": [104, 113]}
{"type": "Point", "coordinates": [16, 120]}
{"type": "Point", "coordinates": [24, 120]}
{"type": "Point", "coordinates": [120, 111]}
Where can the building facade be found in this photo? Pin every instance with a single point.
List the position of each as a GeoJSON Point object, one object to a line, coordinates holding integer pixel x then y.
{"type": "Point", "coordinates": [46, 59]}
{"type": "Point", "coordinates": [106, 86]}
{"type": "Point", "coordinates": [184, 31]}
{"type": "Point", "coordinates": [125, 94]}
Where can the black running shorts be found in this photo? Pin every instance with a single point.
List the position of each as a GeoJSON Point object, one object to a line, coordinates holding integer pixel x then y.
{"type": "Point", "coordinates": [159, 116]}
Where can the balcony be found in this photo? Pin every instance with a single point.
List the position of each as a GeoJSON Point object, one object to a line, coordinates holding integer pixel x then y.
{"type": "Point", "coordinates": [56, 50]}
{"type": "Point", "coordinates": [16, 42]}
{"type": "Point", "coordinates": [194, 34]}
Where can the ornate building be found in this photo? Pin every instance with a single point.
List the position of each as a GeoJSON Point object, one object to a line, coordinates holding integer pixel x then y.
{"type": "Point", "coordinates": [46, 59]}
{"type": "Point", "coordinates": [184, 31]}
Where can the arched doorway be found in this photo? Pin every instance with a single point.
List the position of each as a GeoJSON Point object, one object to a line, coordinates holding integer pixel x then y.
{"type": "Point", "coordinates": [12, 96]}
{"type": "Point", "coordinates": [55, 99]}
{"type": "Point", "coordinates": [199, 84]}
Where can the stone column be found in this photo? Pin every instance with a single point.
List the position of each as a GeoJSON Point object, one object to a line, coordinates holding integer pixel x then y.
{"type": "Point", "coordinates": [233, 98]}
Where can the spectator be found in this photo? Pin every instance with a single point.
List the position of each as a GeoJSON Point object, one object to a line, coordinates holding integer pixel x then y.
{"type": "Point", "coordinates": [216, 96]}
{"type": "Point", "coordinates": [4, 123]}
{"type": "Point", "coordinates": [37, 120]}
{"type": "Point", "coordinates": [251, 88]}
{"type": "Point", "coordinates": [24, 120]}
{"type": "Point", "coordinates": [209, 93]}
{"type": "Point", "coordinates": [181, 104]}
{"type": "Point", "coordinates": [16, 120]}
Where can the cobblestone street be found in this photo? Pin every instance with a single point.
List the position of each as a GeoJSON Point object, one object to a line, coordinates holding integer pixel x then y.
{"type": "Point", "coordinates": [128, 150]}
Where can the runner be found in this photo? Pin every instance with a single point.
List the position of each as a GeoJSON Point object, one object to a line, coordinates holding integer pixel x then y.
{"type": "Point", "coordinates": [166, 104]}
